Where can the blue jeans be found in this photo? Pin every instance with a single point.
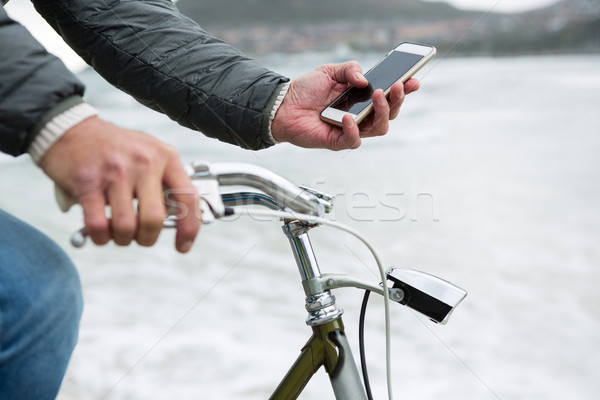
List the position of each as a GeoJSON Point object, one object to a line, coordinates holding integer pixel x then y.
{"type": "Point", "coordinates": [40, 309]}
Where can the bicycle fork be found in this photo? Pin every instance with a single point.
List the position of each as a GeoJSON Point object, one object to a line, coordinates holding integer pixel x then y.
{"type": "Point", "coordinates": [328, 345]}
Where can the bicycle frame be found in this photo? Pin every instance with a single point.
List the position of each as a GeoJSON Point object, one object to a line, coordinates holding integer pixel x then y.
{"type": "Point", "coordinates": [327, 347]}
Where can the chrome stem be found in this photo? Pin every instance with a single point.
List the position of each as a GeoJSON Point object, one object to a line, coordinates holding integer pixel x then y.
{"type": "Point", "coordinates": [320, 304]}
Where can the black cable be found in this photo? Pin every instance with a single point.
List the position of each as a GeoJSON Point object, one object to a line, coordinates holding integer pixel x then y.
{"type": "Point", "coordinates": [361, 344]}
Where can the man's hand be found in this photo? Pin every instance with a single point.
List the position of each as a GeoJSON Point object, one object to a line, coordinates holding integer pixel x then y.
{"type": "Point", "coordinates": [101, 164]}
{"type": "Point", "coordinates": [298, 119]}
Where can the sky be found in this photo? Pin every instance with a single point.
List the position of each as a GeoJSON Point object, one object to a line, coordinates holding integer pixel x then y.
{"type": "Point", "coordinates": [23, 12]}
{"type": "Point", "coordinates": [499, 5]}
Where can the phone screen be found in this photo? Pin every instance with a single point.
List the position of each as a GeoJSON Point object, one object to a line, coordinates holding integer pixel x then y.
{"type": "Point", "coordinates": [381, 76]}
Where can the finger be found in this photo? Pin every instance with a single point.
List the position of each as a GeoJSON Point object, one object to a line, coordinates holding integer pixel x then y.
{"type": "Point", "coordinates": [123, 218]}
{"type": "Point", "coordinates": [350, 72]}
{"type": "Point", "coordinates": [151, 210]}
{"type": "Point", "coordinates": [96, 224]}
{"type": "Point", "coordinates": [187, 198]}
{"type": "Point", "coordinates": [395, 99]}
{"type": "Point", "coordinates": [411, 85]}
{"type": "Point", "coordinates": [350, 135]}
{"type": "Point", "coordinates": [381, 114]}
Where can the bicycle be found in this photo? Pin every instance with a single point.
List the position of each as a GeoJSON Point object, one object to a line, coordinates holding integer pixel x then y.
{"type": "Point", "coordinates": [302, 209]}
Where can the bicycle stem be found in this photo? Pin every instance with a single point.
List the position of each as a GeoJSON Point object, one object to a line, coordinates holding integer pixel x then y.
{"type": "Point", "coordinates": [320, 304]}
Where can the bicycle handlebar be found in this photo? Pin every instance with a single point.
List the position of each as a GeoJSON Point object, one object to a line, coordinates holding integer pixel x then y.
{"type": "Point", "coordinates": [209, 177]}
{"type": "Point", "coordinates": [286, 194]}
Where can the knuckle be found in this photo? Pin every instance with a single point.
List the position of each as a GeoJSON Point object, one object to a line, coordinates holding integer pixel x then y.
{"type": "Point", "coordinates": [148, 235]}
{"type": "Point", "coordinates": [98, 230]}
{"type": "Point", "coordinates": [147, 241]}
{"type": "Point", "coordinates": [172, 156]}
{"type": "Point", "coordinates": [152, 221]}
{"type": "Point", "coordinates": [159, 157]}
{"type": "Point", "coordinates": [170, 151]}
{"type": "Point", "coordinates": [86, 181]}
{"type": "Point", "coordinates": [116, 167]}
{"type": "Point", "coordinates": [384, 128]}
{"type": "Point", "coordinates": [144, 159]}
{"type": "Point", "coordinates": [153, 155]}
{"type": "Point", "coordinates": [165, 150]}
{"type": "Point", "coordinates": [189, 230]}
{"type": "Point", "coordinates": [353, 65]}
{"type": "Point", "coordinates": [96, 224]}
{"type": "Point", "coordinates": [123, 226]}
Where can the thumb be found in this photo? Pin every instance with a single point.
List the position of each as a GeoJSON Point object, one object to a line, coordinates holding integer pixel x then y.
{"type": "Point", "coordinates": [349, 72]}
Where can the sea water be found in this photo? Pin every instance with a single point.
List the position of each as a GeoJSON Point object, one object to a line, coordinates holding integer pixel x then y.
{"type": "Point", "coordinates": [489, 178]}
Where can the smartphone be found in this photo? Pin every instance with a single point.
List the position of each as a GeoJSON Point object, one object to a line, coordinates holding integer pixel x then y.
{"type": "Point", "coordinates": [398, 65]}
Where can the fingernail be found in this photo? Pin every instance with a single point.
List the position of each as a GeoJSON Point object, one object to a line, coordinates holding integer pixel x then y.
{"type": "Point", "coordinates": [186, 246]}
{"type": "Point", "coordinates": [360, 76]}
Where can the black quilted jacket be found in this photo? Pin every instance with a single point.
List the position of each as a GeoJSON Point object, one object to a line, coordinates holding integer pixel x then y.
{"type": "Point", "coordinates": [147, 49]}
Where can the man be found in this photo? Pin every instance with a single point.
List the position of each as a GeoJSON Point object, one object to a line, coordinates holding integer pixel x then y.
{"type": "Point", "coordinates": [167, 62]}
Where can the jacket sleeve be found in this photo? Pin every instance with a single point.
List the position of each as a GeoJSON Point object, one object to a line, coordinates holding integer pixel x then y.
{"type": "Point", "coordinates": [168, 63]}
{"type": "Point", "coordinates": [32, 84]}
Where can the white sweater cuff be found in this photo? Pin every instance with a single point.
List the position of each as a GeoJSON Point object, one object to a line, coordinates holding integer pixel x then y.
{"type": "Point", "coordinates": [276, 106]}
{"type": "Point", "coordinates": [56, 127]}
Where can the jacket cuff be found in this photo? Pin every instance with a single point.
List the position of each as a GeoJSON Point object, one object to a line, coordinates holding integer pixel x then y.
{"type": "Point", "coordinates": [272, 107]}
{"type": "Point", "coordinates": [56, 123]}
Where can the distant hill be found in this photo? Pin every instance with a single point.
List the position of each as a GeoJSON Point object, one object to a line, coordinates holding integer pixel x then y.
{"type": "Point", "coordinates": [253, 12]}
{"type": "Point", "coordinates": [262, 26]}
{"type": "Point", "coordinates": [567, 26]}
